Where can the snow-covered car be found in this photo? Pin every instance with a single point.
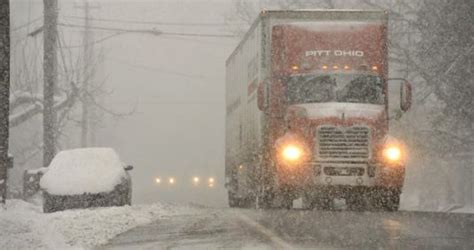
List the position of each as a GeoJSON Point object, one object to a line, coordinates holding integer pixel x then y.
{"type": "Point", "coordinates": [86, 177]}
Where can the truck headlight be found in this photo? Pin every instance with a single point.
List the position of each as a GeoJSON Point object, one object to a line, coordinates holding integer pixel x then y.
{"type": "Point", "coordinates": [392, 153]}
{"type": "Point", "coordinates": [292, 153]}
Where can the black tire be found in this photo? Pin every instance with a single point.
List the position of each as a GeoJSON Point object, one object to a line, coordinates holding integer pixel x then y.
{"type": "Point", "coordinates": [120, 196]}
{"type": "Point", "coordinates": [233, 201]}
{"type": "Point", "coordinates": [356, 201]}
{"type": "Point", "coordinates": [249, 202]}
{"type": "Point", "coordinates": [49, 204]}
{"type": "Point", "coordinates": [129, 198]}
{"type": "Point", "coordinates": [323, 202]}
{"type": "Point", "coordinates": [236, 202]}
{"type": "Point", "coordinates": [130, 192]}
{"type": "Point", "coordinates": [286, 203]}
{"type": "Point", "coordinates": [318, 200]}
{"type": "Point", "coordinates": [277, 199]}
{"type": "Point", "coordinates": [391, 200]}
{"type": "Point", "coordinates": [127, 195]}
{"type": "Point", "coordinates": [265, 200]}
{"type": "Point", "coordinates": [387, 199]}
{"type": "Point", "coordinates": [308, 202]}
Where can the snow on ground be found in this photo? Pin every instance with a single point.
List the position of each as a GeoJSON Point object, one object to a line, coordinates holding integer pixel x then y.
{"type": "Point", "coordinates": [24, 226]}
{"type": "Point", "coordinates": [464, 210]}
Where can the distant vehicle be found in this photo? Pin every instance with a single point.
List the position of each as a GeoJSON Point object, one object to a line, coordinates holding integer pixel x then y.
{"type": "Point", "coordinates": [85, 177]}
{"type": "Point", "coordinates": [307, 112]}
{"type": "Point", "coordinates": [195, 182]}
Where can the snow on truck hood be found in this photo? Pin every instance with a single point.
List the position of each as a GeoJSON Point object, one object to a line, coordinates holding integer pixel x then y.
{"type": "Point", "coordinates": [85, 170]}
{"type": "Point", "coordinates": [350, 110]}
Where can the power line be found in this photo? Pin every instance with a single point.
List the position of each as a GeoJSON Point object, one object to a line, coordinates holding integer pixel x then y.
{"type": "Point", "coordinates": [26, 24]}
{"type": "Point", "coordinates": [197, 34]}
{"type": "Point", "coordinates": [176, 38]}
{"type": "Point", "coordinates": [167, 102]}
{"type": "Point", "coordinates": [103, 39]}
{"type": "Point", "coordinates": [154, 69]}
{"type": "Point", "coordinates": [150, 31]}
{"type": "Point", "coordinates": [39, 30]}
{"type": "Point", "coordinates": [152, 22]}
{"type": "Point", "coordinates": [94, 42]}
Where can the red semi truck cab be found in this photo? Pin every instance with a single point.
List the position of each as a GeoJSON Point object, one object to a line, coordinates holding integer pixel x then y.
{"type": "Point", "coordinates": [322, 96]}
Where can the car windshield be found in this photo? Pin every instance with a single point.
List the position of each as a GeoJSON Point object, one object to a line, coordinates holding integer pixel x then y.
{"type": "Point", "coordinates": [356, 88]}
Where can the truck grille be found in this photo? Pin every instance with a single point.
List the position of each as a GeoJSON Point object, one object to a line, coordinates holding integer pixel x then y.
{"type": "Point", "coordinates": [343, 143]}
{"type": "Point", "coordinates": [344, 171]}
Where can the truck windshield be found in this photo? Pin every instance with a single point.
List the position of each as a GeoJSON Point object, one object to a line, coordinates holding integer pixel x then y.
{"type": "Point", "coordinates": [358, 88]}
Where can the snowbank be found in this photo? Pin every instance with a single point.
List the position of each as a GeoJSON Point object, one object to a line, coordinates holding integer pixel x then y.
{"type": "Point", "coordinates": [24, 226]}
{"type": "Point", "coordinates": [84, 170]}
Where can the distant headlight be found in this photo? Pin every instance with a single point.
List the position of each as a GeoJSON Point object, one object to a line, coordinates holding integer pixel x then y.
{"type": "Point", "coordinates": [393, 153]}
{"type": "Point", "coordinates": [292, 153]}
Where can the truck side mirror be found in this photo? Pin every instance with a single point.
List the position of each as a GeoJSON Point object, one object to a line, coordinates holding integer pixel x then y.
{"type": "Point", "coordinates": [261, 102]}
{"type": "Point", "coordinates": [405, 96]}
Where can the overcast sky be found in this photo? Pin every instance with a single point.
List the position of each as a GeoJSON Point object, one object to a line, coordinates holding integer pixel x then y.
{"type": "Point", "coordinates": [175, 83]}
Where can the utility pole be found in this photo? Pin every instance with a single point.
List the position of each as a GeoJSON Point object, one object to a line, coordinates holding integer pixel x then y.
{"type": "Point", "coordinates": [88, 73]}
{"type": "Point", "coordinates": [50, 62]}
{"type": "Point", "coordinates": [4, 94]}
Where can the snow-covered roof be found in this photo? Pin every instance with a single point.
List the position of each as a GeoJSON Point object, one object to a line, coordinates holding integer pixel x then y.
{"type": "Point", "coordinates": [84, 170]}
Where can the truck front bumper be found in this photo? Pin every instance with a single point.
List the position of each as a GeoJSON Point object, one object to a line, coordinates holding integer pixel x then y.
{"type": "Point", "coordinates": [358, 174]}
{"type": "Point", "coordinates": [351, 174]}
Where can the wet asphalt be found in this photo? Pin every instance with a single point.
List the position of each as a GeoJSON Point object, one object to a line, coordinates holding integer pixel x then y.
{"type": "Point", "coordinates": [217, 228]}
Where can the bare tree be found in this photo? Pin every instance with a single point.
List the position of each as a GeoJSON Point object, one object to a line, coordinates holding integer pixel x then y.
{"type": "Point", "coordinates": [431, 43]}
{"type": "Point", "coordinates": [446, 49]}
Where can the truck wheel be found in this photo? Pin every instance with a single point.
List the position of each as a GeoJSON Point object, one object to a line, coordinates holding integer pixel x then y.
{"type": "Point", "coordinates": [286, 203]}
{"type": "Point", "coordinates": [275, 199]}
{"type": "Point", "coordinates": [391, 200]}
{"type": "Point", "coordinates": [387, 199]}
{"type": "Point", "coordinates": [356, 201]}
{"type": "Point", "coordinates": [323, 202]}
{"type": "Point", "coordinates": [233, 201]}
{"type": "Point", "coordinates": [247, 202]}
{"type": "Point", "coordinates": [282, 199]}
{"type": "Point", "coordinates": [265, 199]}
{"type": "Point", "coordinates": [308, 202]}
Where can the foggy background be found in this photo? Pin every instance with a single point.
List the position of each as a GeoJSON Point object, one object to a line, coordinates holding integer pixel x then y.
{"type": "Point", "coordinates": [161, 97]}
{"type": "Point", "coordinates": [172, 85]}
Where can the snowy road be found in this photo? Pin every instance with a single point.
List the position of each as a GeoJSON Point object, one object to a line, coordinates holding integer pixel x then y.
{"type": "Point", "coordinates": [234, 228]}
